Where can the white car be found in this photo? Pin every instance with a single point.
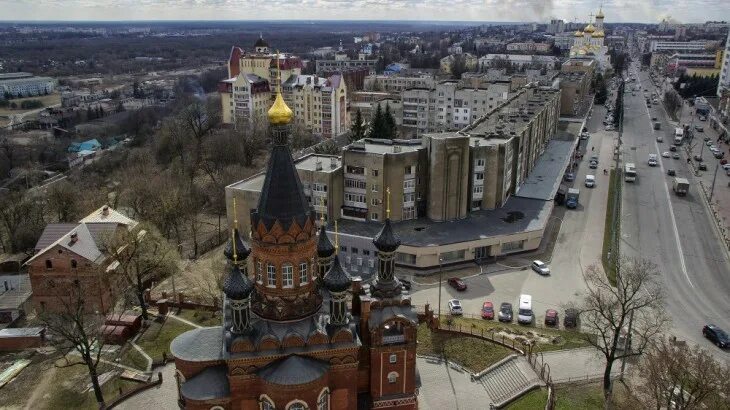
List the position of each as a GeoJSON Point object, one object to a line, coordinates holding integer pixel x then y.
{"type": "Point", "coordinates": [590, 181]}
{"type": "Point", "coordinates": [540, 267]}
{"type": "Point", "coordinates": [455, 307]}
{"type": "Point", "coordinates": [660, 139]}
{"type": "Point", "coordinates": [666, 154]}
{"type": "Point", "coordinates": [726, 167]}
{"type": "Point", "coordinates": [652, 160]}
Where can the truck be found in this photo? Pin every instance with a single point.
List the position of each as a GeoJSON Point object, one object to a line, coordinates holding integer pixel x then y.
{"type": "Point", "coordinates": [680, 186]}
{"type": "Point", "coordinates": [560, 195]}
{"type": "Point", "coordinates": [678, 135]}
{"type": "Point", "coordinates": [572, 198]}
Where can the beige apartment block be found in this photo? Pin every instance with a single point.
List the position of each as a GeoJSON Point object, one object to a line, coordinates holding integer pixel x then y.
{"type": "Point", "coordinates": [319, 104]}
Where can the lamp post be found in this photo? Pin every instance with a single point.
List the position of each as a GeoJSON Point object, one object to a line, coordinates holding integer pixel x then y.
{"type": "Point", "coordinates": [441, 274]}
{"type": "Point", "coordinates": [714, 178]}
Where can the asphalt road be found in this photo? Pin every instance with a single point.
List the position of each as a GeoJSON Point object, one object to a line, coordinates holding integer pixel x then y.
{"type": "Point", "coordinates": [675, 232]}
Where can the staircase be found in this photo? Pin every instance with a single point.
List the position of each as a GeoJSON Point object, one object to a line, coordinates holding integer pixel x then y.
{"type": "Point", "coordinates": [509, 379]}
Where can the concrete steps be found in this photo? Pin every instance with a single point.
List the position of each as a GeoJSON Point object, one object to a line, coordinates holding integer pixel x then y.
{"type": "Point", "coordinates": [509, 379]}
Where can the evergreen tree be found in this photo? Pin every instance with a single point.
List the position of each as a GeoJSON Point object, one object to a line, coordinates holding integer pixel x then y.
{"type": "Point", "coordinates": [389, 127]}
{"type": "Point", "coordinates": [376, 125]}
{"type": "Point", "coordinates": [357, 128]}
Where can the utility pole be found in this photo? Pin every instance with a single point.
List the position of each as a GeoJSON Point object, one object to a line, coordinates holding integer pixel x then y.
{"type": "Point", "coordinates": [441, 275]}
{"type": "Point", "coordinates": [714, 178]}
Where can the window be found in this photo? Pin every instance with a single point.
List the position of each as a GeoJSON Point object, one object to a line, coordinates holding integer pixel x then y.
{"type": "Point", "coordinates": [49, 264]}
{"type": "Point", "coordinates": [266, 403]}
{"type": "Point", "coordinates": [303, 277]}
{"type": "Point", "coordinates": [355, 251]}
{"type": "Point", "coordinates": [354, 197]}
{"type": "Point", "coordinates": [374, 172]}
{"type": "Point", "coordinates": [393, 359]}
{"type": "Point", "coordinates": [479, 176]}
{"type": "Point", "coordinates": [374, 187]}
{"type": "Point", "coordinates": [409, 183]}
{"type": "Point", "coordinates": [365, 252]}
{"type": "Point", "coordinates": [323, 402]}
{"type": "Point", "coordinates": [354, 183]}
{"type": "Point", "coordinates": [478, 189]}
{"type": "Point", "coordinates": [480, 162]}
{"type": "Point", "coordinates": [374, 201]}
{"type": "Point", "coordinates": [392, 377]}
{"type": "Point", "coordinates": [343, 248]}
{"type": "Point", "coordinates": [73, 264]}
{"type": "Point", "coordinates": [271, 273]}
{"type": "Point", "coordinates": [374, 216]}
{"type": "Point", "coordinates": [297, 406]}
{"type": "Point", "coordinates": [409, 212]}
{"type": "Point", "coordinates": [259, 271]}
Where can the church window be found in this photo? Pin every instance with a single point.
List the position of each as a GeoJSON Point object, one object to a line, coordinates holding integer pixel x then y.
{"type": "Point", "coordinates": [392, 377]}
{"type": "Point", "coordinates": [393, 359]}
{"type": "Point", "coordinates": [271, 272]}
{"type": "Point", "coordinates": [266, 403]}
{"type": "Point", "coordinates": [303, 278]}
{"type": "Point", "coordinates": [259, 271]}
{"type": "Point", "coordinates": [323, 402]}
{"type": "Point", "coordinates": [297, 406]}
{"type": "Point", "coordinates": [287, 275]}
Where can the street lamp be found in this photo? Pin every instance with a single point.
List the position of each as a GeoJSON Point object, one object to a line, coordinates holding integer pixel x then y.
{"type": "Point", "coordinates": [441, 275]}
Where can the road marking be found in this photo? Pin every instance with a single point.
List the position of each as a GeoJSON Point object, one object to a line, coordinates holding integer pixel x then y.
{"type": "Point", "coordinates": [666, 193]}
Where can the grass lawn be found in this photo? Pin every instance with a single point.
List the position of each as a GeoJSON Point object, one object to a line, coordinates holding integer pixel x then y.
{"type": "Point", "coordinates": [470, 352]}
{"type": "Point", "coordinates": [536, 399]}
{"type": "Point", "coordinates": [608, 265]}
{"type": "Point", "coordinates": [558, 339]}
{"type": "Point", "coordinates": [50, 99]}
{"type": "Point", "coordinates": [132, 358]}
{"type": "Point", "coordinates": [156, 339]}
{"type": "Point", "coordinates": [64, 390]}
{"type": "Point", "coordinates": [201, 317]}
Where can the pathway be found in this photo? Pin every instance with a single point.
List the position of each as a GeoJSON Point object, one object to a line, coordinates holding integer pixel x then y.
{"type": "Point", "coordinates": [449, 387]}
{"type": "Point", "coordinates": [577, 364]}
{"type": "Point", "coordinates": [509, 379]}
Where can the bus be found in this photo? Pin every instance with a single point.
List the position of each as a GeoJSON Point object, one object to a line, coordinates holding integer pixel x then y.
{"type": "Point", "coordinates": [630, 172]}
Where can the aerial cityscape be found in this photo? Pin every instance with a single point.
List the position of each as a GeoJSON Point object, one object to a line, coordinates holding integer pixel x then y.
{"type": "Point", "coordinates": [329, 205]}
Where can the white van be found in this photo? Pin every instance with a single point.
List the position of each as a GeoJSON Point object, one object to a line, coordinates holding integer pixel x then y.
{"type": "Point", "coordinates": [525, 314]}
{"type": "Point", "coordinates": [590, 181]}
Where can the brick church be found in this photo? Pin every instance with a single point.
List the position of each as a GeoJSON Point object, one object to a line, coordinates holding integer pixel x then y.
{"type": "Point", "coordinates": [298, 332]}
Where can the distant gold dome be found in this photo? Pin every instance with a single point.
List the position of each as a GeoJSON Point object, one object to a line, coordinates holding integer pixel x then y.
{"type": "Point", "coordinates": [589, 28]}
{"type": "Point", "coordinates": [280, 113]}
{"type": "Point", "coordinates": [578, 34]}
{"type": "Point", "coordinates": [600, 14]}
{"type": "Point", "coordinates": [599, 34]}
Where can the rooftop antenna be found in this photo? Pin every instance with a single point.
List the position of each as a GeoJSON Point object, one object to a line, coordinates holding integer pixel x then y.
{"type": "Point", "coordinates": [387, 202]}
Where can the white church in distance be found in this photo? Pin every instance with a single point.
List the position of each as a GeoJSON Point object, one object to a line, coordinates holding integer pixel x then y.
{"type": "Point", "coordinates": [589, 43]}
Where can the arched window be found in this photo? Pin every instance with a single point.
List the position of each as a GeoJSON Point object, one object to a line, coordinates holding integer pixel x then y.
{"type": "Point", "coordinates": [217, 408]}
{"type": "Point", "coordinates": [303, 277]}
{"type": "Point", "coordinates": [73, 264]}
{"type": "Point", "coordinates": [287, 275]}
{"type": "Point", "coordinates": [49, 264]}
{"type": "Point", "coordinates": [297, 405]}
{"type": "Point", "coordinates": [392, 377]}
{"type": "Point", "coordinates": [265, 403]}
{"type": "Point", "coordinates": [323, 402]}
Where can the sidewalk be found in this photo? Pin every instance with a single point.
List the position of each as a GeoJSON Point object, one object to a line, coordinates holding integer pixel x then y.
{"type": "Point", "coordinates": [577, 364]}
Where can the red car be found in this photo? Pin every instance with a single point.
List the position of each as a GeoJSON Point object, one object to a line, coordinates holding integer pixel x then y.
{"type": "Point", "coordinates": [487, 310]}
{"type": "Point", "coordinates": [457, 284]}
{"type": "Point", "coordinates": [551, 317]}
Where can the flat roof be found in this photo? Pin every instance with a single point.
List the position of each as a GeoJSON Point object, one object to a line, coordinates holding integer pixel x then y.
{"type": "Point", "coordinates": [21, 331]}
{"type": "Point", "coordinates": [307, 163]}
{"type": "Point", "coordinates": [544, 179]}
{"type": "Point", "coordinates": [512, 112]}
{"type": "Point", "coordinates": [383, 146]}
{"type": "Point", "coordinates": [516, 216]}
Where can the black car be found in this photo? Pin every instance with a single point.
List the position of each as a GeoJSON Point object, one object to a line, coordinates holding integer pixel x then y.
{"type": "Point", "coordinates": [702, 167]}
{"type": "Point", "coordinates": [406, 283]}
{"type": "Point", "coordinates": [671, 172]}
{"type": "Point", "coordinates": [673, 148]}
{"type": "Point", "coordinates": [716, 336]}
{"type": "Point", "coordinates": [570, 320]}
{"type": "Point", "coordinates": [505, 312]}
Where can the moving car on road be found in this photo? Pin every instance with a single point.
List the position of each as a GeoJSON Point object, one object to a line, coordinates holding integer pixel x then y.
{"type": "Point", "coordinates": [716, 336]}
{"type": "Point", "coordinates": [505, 312]}
{"type": "Point", "coordinates": [675, 155]}
{"type": "Point", "coordinates": [551, 317]}
{"type": "Point", "coordinates": [540, 267]}
{"type": "Point", "coordinates": [487, 310]}
{"type": "Point", "coordinates": [455, 307]}
{"type": "Point", "coordinates": [457, 284]}
{"type": "Point", "coordinates": [671, 172]}
{"type": "Point", "coordinates": [653, 160]}
{"type": "Point", "coordinates": [666, 154]}
{"type": "Point", "coordinates": [590, 181]}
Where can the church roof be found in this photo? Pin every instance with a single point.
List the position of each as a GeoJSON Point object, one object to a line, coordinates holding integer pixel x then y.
{"type": "Point", "coordinates": [294, 370]}
{"type": "Point", "coordinates": [261, 43]}
{"type": "Point", "coordinates": [242, 251]}
{"type": "Point", "coordinates": [325, 249]}
{"type": "Point", "coordinates": [336, 279]}
{"type": "Point", "coordinates": [600, 14]}
{"type": "Point", "coordinates": [209, 384]}
{"type": "Point", "coordinates": [598, 34]}
{"type": "Point", "coordinates": [199, 345]}
{"type": "Point", "coordinates": [237, 285]}
{"type": "Point", "coordinates": [578, 33]}
{"type": "Point", "coordinates": [386, 240]}
{"type": "Point", "coordinates": [282, 197]}
{"type": "Point", "coordinates": [589, 28]}
{"type": "Point", "coordinates": [280, 113]}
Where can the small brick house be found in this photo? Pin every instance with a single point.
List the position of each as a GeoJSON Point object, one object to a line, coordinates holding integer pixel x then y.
{"type": "Point", "coordinates": [67, 253]}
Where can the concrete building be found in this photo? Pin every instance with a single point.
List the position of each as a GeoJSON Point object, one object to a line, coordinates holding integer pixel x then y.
{"type": "Point", "coordinates": [687, 47]}
{"type": "Point", "coordinates": [328, 66]}
{"type": "Point", "coordinates": [470, 62]}
{"type": "Point", "coordinates": [25, 85]}
{"type": "Point", "coordinates": [367, 102]}
{"type": "Point", "coordinates": [530, 46]}
{"type": "Point", "coordinates": [396, 83]}
{"type": "Point", "coordinates": [563, 40]}
{"type": "Point", "coordinates": [574, 88]}
{"type": "Point", "coordinates": [704, 65]}
{"type": "Point", "coordinates": [724, 82]}
{"type": "Point", "coordinates": [244, 97]}
{"type": "Point", "coordinates": [556, 26]}
{"type": "Point", "coordinates": [517, 60]}
{"type": "Point", "coordinates": [580, 65]}
{"type": "Point", "coordinates": [449, 106]}
{"type": "Point", "coordinates": [319, 104]}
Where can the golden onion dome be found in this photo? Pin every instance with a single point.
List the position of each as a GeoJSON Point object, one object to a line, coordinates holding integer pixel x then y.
{"type": "Point", "coordinates": [589, 28]}
{"type": "Point", "coordinates": [600, 14]}
{"type": "Point", "coordinates": [599, 34]}
{"type": "Point", "coordinates": [578, 34]}
{"type": "Point", "coordinates": [280, 113]}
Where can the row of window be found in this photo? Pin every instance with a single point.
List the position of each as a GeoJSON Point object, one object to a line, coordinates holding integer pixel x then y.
{"type": "Point", "coordinates": [265, 403]}
{"type": "Point", "coordinates": [287, 274]}
{"type": "Point", "coordinates": [49, 264]}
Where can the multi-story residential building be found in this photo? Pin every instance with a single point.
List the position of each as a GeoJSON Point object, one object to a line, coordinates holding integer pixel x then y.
{"type": "Point", "coordinates": [530, 46]}
{"type": "Point", "coordinates": [25, 85]}
{"type": "Point", "coordinates": [244, 97]}
{"type": "Point", "coordinates": [470, 62]}
{"type": "Point", "coordinates": [328, 66]}
{"type": "Point", "coordinates": [517, 60]}
{"type": "Point", "coordinates": [700, 46]}
{"type": "Point", "coordinates": [452, 189]}
{"type": "Point", "coordinates": [580, 65]}
{"type": "Point", "coordinates": [563, 40]}
{"type": "Point", "coordinates": [574, 88]}
{"type": "Point", "coordinates": [556, 26]}
{"type": "Point", "coordinates": [448, 106]}
{"type": "Point", "coordinates": [73, 253]}
{"type": "Point", "coordinates": [319, 104]}
{"type": "Point", "coordinates": [724, 82]}
{"type": "Point", "coordinates": [367, 102]}
{"type": "Point", "coordinates": [396, 83]}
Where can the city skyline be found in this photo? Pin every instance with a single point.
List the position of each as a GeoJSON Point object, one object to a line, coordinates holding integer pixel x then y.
{"type": "Point", "coordinates": [642, 11]}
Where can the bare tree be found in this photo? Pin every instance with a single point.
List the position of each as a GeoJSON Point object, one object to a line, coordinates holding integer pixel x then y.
{"type": "Point", "coordinates": [608, 312]}
{"type": "Point", "coordinates": [63, 200]}
{"type": "Point", "coordinates": [72, 322]}
{"type": "Point", "coordinates": [21, 221]}
{"type": "Point", "coordinates": [141, 254]}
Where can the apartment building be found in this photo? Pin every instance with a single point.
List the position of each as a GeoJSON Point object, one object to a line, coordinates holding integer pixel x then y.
{"type": "Point", "coordinates": [396, 83]}
{"type": "Point", "coordinates": [530, 46]}
{"type": "Point", "coordinates": [338, 64]}
{"type": "Point", "coordinates": [724, 82]}
{"type": "Point", "coordinates": [574, 88]}
{"type": "Point", "coordinates": [244, 97]}
{"type": "Point", "coordinates": [470, 62]}
{"type": "Point", "coordinates": [25, 85]}
{"type": "Point", "coordinates": [517, 60]}
{"type": "Point", "coordinates": [449, 106]}
{"type": "Point", "coordinates": [319, 104]}
{"type": "Point", "coordinates": [700, 46]}
{"type": "Point", "coordinates": [367, 102]}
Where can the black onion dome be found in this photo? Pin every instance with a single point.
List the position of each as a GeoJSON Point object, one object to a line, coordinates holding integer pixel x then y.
{"type": "Point", "coordinates": [237, 286]}
{"type": "Point", "coordinates": [336, 279]}
{"type": "Point", "coordinates": [242, 251]}
{"type": "Point", "coordinates": [325, 249]}
{"type": "Point", "coordinates": [386, 240]}
{"type": "Point", "coordinates": [261, 43]}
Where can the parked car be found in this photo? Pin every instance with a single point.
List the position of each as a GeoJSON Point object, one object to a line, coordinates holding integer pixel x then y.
{"type": "Point", "coordinates": [653, 118]}
{"type": "Point", "coordinates": [551, 317]}
{"type": "Point", "coordinates": [593, 164]}
{"type": "Point", "coordinates": [707, 139]}
{"type": "Point", "coordinates": [698, 158]}
{"type": "Point", "coordinates": [671, 172]}
{"type": "Point", "coordinates": [406, 283]}
{"type": "Point", "coordinates": [540, 267]}
{"type": "Point", "coordinates": [703, 118]}
{"type": "Point", "coordinates": [718, 154]}
{"type": "Point", "coordinates": [570, 320]}
{"type": "Point", "coordinates": [584, 136]}
{"type": "Point", "coordinates": [702, 167]}
{"type": "Point", "coordinates": [457, 284]}
{"type": "Point", "coordinates": [675, 155]}
{"type": "Point", "coordinates": [569, 177]}
{"type": "Point", "coordinates": [487, 310]}
{"type": "Point", "coordinates": [455, 307]}
{"type": "Point", "coordinates": [666, 154]}
{"type": "Point", "coordinates": [660, 139]}
{"type": "Point", "coordinates": [708, 142]}
{"type": "Point", "coordinates": [505, 312]}
{"type": "Point", "coordinates": [699, 128]}
{"type": "Point", "coordinates": [716, 336]}
{"type": "Point", "coordinates": [673, 148]}
{"type": "Point", "coordinates": [726, 166]}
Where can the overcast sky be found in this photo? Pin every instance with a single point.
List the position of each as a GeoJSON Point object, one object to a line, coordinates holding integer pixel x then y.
{"type": "Point", "coordinates": [687, 11]}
